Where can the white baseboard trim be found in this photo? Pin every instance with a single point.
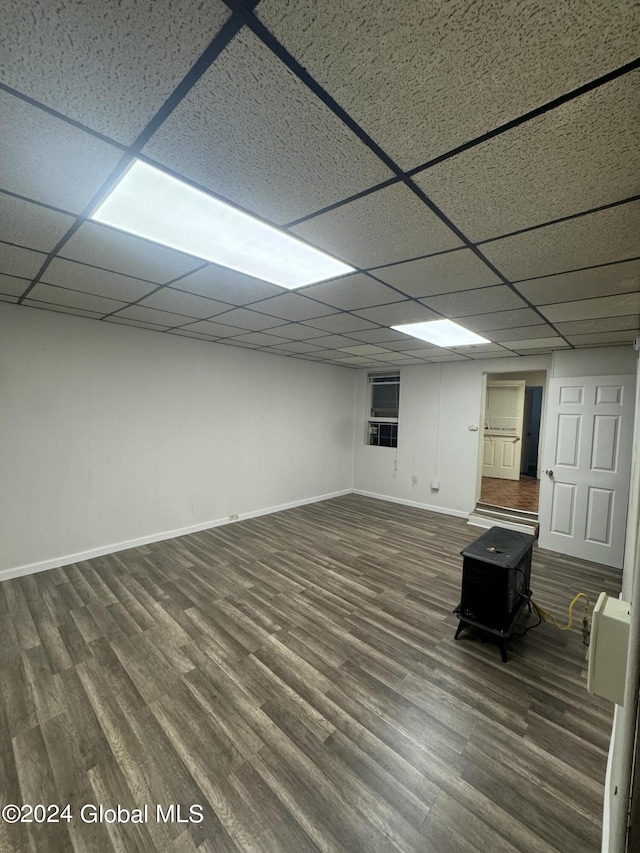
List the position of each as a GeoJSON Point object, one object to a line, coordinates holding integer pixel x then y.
{"type": "Point", "coordinates": [56, 562]}
{"type": "Point", "coordinates": [442, 510]}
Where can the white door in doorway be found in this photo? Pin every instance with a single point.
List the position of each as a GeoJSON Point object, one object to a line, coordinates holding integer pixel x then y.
{"type": "Point", "coordinates": [503, 415]}
{"type": "Point", "coordinates": [586, 461]}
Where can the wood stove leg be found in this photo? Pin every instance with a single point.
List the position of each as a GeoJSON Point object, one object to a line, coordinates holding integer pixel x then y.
{"type": "Point", "coordinates": [459, 630]}
{"type": "Point", "coordinates": [503, 650]}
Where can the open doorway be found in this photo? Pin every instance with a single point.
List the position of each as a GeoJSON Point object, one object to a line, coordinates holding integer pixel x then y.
{"type": "Point", "coordinates": [511, 440]}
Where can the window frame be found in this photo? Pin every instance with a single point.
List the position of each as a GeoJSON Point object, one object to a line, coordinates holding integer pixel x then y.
{"type": "Point", "coordinates": [373, 421]}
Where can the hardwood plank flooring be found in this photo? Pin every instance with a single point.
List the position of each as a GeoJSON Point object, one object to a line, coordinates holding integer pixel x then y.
{"type": "Point", "coordinates": [296, 677]}
{"type": "Point", "coordinates": [511, 494]}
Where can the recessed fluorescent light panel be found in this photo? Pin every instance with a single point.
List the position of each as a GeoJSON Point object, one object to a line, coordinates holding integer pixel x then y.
{"type": "Point", "coordinates": [442, 333]}
{"type": "Point", "coordinates": [150, 203]}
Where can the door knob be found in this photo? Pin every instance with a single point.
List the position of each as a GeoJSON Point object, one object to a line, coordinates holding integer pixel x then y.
{"type": "Point", "coordinates": [548, 472]}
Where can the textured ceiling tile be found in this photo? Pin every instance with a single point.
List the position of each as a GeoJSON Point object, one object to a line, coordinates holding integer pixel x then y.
{"type": "Point", "coordinates": [123, 321]}
{"type": "Point", "coordinates": [440, 274]}
{"type": "Point", "coordinates": [397, 67]}
{"type": "Point", "coordinates": [588, 147]}
{"type": "Point", "coordinates": [214, 329]}
{"type": "Point", "coordinates": [467, 302]}
{"type": "Point", "coordinates": [112, 250]}
{"type": "Point", "coordinates": [602, 338]}
{"type": "Point", "coordinates": [503, 354]}
{"type": "Point", "coordinates": [244, 318]}
{"type": "Point", "coordinates": [363, 349]}
{"type": "Point", "coordinates": [502, 320]}
{"type": "Point", "coordinates": [10, 285]}
{"type": "Point", "coordinates": [4, 297]}
{"type": "Point", "coordinates": [377, 336]}
{"type": "Point", "coordinates": [73, 299]}
{"type": "Point", "coordinates": [250, 131]}
{"type": "Point", "coordinates": [184, 303]}
{"type": "Point", "coordinates": [20, 262]}
{"type": "Point", "coordinates": [151, 315]}
{"type": "Point", "coordinates": [599, 324]}
{"type": "Point", "coordinates": [292, 306]}
{"type": "Point", "coordinates": [543, 330]}
{"type": "Point", "coordinates": [183, 333]}
{"type": "Point", "coordinates": [296, 332]}
{"type": "Point", "coordinates": [49, 160]}
{"type": "Point", "coordinates": [601, 281]}
{"type": "Point", "coordinates": [409, 345]}
{"type": "Point", "coordinates": [536, 343]}
{"type": "Point", "coordinates": [386, 226]}
{"type": "Point", "coordinates": [30, 225]}
{"type": "Point", "coordinates": [354, 291]}
{"type": "Point", "coordinates": [400, 312]}
{"type": "Point", "coordinates": [61, 309]}
{"type": "Point", "coordinates": [599, 238]}
{"type": "Point", "coordinates": [77, 276]}
{"type": "Point", "coordinates": [297, 346]}
{"type": "Point", "coordinates": [259, 339]}
{"type": "Point", "coordinates": [227, 285]}
{"type": "Point", "coordinates": [585, 309]}
{"type": "Point", "coordinates": [329, 342]}
{"type": "Point", "coordinates": [447, 356]}
{"type": "Point", "coordinates": [341, 323]}
{"type": "Point", "coordinates": [109, 65]}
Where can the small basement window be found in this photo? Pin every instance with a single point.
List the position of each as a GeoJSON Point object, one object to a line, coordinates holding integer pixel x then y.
{"type": "Point", "coordinates": [384, 402]}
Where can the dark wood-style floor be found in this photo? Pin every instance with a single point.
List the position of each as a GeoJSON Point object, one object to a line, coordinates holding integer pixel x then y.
{"type": "Point", "coordinates": [511, 494]}
{"type": "Point", "coordinates": [296, 676]}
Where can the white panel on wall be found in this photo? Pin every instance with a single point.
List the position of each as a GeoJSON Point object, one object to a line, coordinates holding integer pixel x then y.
{"type": "Point", "coordinates": [599, 515]}
{"type": "Point", "coordinates": [571, 394]}
{"type": "Point", "coordinates": [606, 394]}
{"type": "Point", "coordinates": [563, 508]}
{"type": "Point", "coordinates": [604, 450]}
{"type": "Point", "coordinates": [489, 452]}
{"type": "Point", "coordinates": [568, 442]}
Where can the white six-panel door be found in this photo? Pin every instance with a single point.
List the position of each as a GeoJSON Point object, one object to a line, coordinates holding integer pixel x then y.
{"type": "Point", "coordinates": [586, 463]}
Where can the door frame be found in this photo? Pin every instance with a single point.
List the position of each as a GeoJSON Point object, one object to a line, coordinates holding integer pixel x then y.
{"type": "Point", "coordinates": [483, 401]}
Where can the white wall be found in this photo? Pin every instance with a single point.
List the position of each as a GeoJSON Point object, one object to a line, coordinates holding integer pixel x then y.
{"type": "Point", "coordinates": [111, 434]}
{"type": "Point", "coordinates": [438, 402]}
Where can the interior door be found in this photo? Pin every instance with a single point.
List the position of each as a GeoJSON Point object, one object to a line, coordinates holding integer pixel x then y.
{"type": "Point", "coordinates": [503, 415]}
{"type": "Point", "coordinates": [586, 460]}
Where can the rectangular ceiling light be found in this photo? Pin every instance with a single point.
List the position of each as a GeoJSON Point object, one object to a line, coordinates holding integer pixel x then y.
{"type": "Point", "coordinates": [442, 333]}
{"type": "Point", "coordinates": [152, 204]}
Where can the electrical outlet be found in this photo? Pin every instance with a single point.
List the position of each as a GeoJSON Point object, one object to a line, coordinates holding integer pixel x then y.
{"type": "Point", "coordinates": [435, 485]}
{"type": "Point", "coordinates": [414, 481]}
{"type": "Point", "coordinates": [233, 516]}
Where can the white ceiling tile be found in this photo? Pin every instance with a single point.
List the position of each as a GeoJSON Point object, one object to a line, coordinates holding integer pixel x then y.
{"type": "Point", "coordinates": [61, 309]}
{"type": "Point", "coordinates": [424, 78]}
{"type": "Point", "coordinates": [453, 271]}
{"type": "Point", "coordinates": [151, 315]}
{"type": "Point", "coordinates": [357, 360]}
{"type": "Point", "coordinates": [100, 282]}
{"type": "Point", "coordinates": [4, 297]}
{"type": "Point", "coordinates": [110, 66]}
{"type": "Point", "coordinates": [502, 320]}
{"type": "Point", "coordinates": [583, 284]}
{"type": "Point", "coordinates": [297, 347]}
{"type": "Point", "coordinates": [467, 302]}
{"type": "Point", "coordinates": [259, 339]}
{"type": "Point", "coordinates": [542, 330]}
{"type": "Point", "coordinates": [30, 225]}
{"type": "Point", "coordinates": [245, 318]}
{"type": "Point", "coordinates": [296, 332]}
{"type": "Point", "coordinates": [364, 349]}
{"type": "Point", "coordinates": [123, 321]}
{"type": "Point", "coordinates": [400, 312]}
{"type": "Point", "coordinates": [48, 160]}
{"type": "Point", "coordinates": [10, 285]}
{"type": "Point", "coordinates": [606, 306]}
{"type": "Point", "coordinates": [112, 250]}
{"type": "Point", "coordinates": [603, 338]}
{"type": "Point", "coordinates": [588, 146]}
{"type": "Point", "coordinates": [351, 292]}
{"type": "Point", "coordinates": [216, 282]}
{"type": "Point", "coordinates": [327, 342]}
{"type": "Point", "coordinates": [20, 262]}
{"type": "Point", "coordinates": [183, 303]}
{"type": "Point", "coordinates": [377, 336]}
{"type": "Point", "coordinates": [213, 329]}
{"type": "Point", "coordinates": [598, 238]}
{"type": "Point", "coordinates": [74, 299]}
{"type": "Point", "coordinates": [536, 343]}
{"type": "Point", "coordinates": [252, 132]}
{"type": "Point", "coordinates": [341, 323]}
{"type": "Point", "coordinates": [183, 333]}
{"type": "Point", "coordinates": [599, 324]}
{"type": "Point", "coordinates": [447, 356]}
{"type": "Point", "coordinates": [292, 306]}
{"type": "Point", "coordinates": [410, 346]}
{"type": "Point", "coordinates": [490, 355]}
{"type": "Point", "coordinates": [397, 358]}
{"type": "Point", "coordinates": [365, 232]}
{"type": "Point", "coordinates": [478, 349]}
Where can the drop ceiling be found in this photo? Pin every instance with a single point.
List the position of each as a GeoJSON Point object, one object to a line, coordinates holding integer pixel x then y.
{"type": "Point", "coordinates": [479, 162]}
